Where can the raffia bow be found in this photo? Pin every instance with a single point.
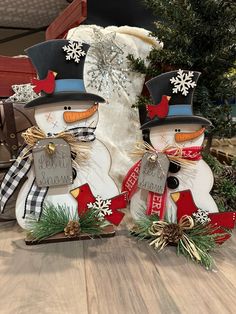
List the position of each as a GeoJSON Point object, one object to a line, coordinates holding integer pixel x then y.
{"type": "Point", "coordinates": [143, 147]}
{"type": "Point", "coordinates": [166, 233]}
{"type": "Point", "coordinates": [79, 149]}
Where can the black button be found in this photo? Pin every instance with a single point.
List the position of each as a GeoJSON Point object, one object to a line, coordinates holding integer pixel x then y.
{"type": "Point", "coordinates": [74, 173]}
{"type": "Point", "coordinates": [172, 182]}
{"type": "Point", "coordinates": [174, 167]}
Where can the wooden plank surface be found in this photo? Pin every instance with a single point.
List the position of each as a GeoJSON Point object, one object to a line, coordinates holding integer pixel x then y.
{"type": "Point", "coordinates": [14, 70]}
{"type": "Point", "coordinates": [116, 275]}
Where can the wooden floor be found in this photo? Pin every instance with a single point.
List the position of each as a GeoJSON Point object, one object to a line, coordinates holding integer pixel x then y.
{"type": "Point", "coordinates": [117, 275]}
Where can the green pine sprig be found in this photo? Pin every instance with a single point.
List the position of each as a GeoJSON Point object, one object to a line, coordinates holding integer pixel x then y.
{"type": "Point", "coordinates": [142, 101]}
{"type": "Point", "coordinates": [89, 222]}
{"type": "Point", "coordinates": [204, 236]}
{"type": "Point", "coordinates": [142, 225]}
{"type": "Point", "coordinates": [55, 218]}
{"type": "Point", "coordinates": [205, 241]}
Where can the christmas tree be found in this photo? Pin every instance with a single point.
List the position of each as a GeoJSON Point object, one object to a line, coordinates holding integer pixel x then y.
{"type": "Point", "coordinates": [199, 36]}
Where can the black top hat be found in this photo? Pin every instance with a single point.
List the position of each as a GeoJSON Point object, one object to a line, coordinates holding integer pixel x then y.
{"type": "Point", "coordinates": [69, 84]}
{"type": "Point", "coordinates": [180, 104]}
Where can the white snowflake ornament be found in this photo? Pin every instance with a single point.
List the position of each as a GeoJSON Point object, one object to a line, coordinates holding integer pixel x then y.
{"type": "Point", "coordinates": [74, 51]}
{"type": "Point", "coordinates": [201, 216]}
{"type": "Point", "coordinates": [102, 207]}
{"type": "Point", "coordinates": [109, 73]}
{"type": "Point", "coordinates": [183, 82]}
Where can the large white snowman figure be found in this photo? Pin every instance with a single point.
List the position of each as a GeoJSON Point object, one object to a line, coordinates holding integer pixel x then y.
{"type": "Point", "coordinates": [69, 109]}
{"type": "Point", "coordinates": [175, 131]}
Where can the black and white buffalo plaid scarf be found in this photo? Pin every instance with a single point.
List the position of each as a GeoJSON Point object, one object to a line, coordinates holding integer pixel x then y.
{"type": "Point", "coordinates": [36, 195]}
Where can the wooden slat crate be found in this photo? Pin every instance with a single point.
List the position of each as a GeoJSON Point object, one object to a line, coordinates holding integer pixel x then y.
{"type": "Point", "coordinates": [17, 70]}
{"type": "Point", "coordinates": [71, 17]}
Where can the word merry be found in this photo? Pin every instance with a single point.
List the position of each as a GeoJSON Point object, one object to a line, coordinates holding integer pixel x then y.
{"type": "Point", "coordinates": [132, 179]}
{"type": "Point", "coordinates": [156, 204]}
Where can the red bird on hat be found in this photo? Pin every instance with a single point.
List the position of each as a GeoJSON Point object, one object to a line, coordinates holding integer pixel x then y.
{"type": "Point", "coordinates": [46, 85]}
{"type": "Point", "coordinates": [160, 110]}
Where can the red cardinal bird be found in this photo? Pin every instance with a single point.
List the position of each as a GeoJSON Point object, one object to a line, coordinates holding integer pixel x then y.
{"type": "Point", "coordinates": [47, 85]}
{"type": "Point", "coordinates": [160, 110]}
{"type": "Point", "coordinates": [185, 203]}
{"type": "Point", "coordinates": [84, 196]}
{"type": "Point", "coordinates": [186, 206]}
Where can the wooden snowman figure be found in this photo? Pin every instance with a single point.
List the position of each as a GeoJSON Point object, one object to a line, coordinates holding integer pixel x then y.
{"type": "Point", "coordinates": [66, 117]}
{"type": "Point", "coordinates": [172, 163]}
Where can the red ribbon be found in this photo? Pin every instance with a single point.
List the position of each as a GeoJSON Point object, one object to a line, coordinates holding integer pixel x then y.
{"type": "Point", "coordinates": [190, 153]}
{"type": "Point", "coordinates": [156, 203]}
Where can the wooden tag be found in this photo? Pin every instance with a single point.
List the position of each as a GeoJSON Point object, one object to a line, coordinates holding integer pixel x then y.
{"type": "Point", "coordinates": [153, 172]}
{"type": "Point", "coordinates": [52, 162]}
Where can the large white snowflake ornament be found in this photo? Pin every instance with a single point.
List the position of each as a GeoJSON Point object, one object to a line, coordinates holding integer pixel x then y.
{"type": "Point", "coordinates": [23, 93]}
{"type": "Point", "coordinates": [201, 216]}
{"type": "Point", "coordinates": [183, 82]}
{"type": "Point", "coordinates": [102, 207]}
{"type": "Point", "coordinates": [74, 51]}
{"type": "Point", "coordinates": [108, 73]}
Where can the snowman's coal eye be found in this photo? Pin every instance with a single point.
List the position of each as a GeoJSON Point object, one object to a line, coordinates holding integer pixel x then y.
{"type": "Point", "coordinates": [179, 130]}
{"type": "Point", "coordinates": [176, 130]}
{"type": "Point", "coordinates": [65, 108]}
{"type": "Point", "coordinates": [69, 108]}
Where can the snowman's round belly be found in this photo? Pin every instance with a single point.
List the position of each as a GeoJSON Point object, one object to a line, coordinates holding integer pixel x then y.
{"type": "Point", "coordinates": [95, 172]}
{"type": "Point", "coordinates": [61, 196]}
{"type": "Point", "coordinates": [198, 179]}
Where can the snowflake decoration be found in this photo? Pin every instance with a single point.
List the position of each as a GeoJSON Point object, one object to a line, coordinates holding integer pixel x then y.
{"type": "Point", "coordinates": [102, 207]}
{"type": "Point", "coordinates": [23, 93]}
{"type": "Point", "coordinates": [201, 216]}
{"type": "Point", "coordinates": [108, 72]}
{"type": "Point", "coordinates": [74, 51]}
{"type": "Point", "coordinates": [182, 82]}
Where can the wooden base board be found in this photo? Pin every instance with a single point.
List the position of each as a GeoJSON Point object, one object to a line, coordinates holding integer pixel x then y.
{"type": "Point", "coordinates": [108, 232]}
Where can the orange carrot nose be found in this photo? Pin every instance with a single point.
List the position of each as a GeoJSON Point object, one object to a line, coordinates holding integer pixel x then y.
{"type": "Point", "coordinates": [183, 137]}
{"type": "Point", "coordinates": [73, 116]}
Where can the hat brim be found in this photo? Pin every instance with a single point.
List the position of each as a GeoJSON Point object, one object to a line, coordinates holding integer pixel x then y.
{"type": "Point", "coordinates": [62, 97]}
{"type": "Point", "coordinates": [175, 120]}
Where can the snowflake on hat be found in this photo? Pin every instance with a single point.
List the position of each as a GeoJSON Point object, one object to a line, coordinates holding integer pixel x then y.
{"type": "Point", "coordinates": [74, 51]}
{"type": "Point", "coordinates": [183, 82]}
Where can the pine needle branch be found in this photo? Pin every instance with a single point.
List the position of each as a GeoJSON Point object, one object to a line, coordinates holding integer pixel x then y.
{"type": "Point", "coordinates": [54, 219]}
{"type": "Point", "coordinates": [203, 237]}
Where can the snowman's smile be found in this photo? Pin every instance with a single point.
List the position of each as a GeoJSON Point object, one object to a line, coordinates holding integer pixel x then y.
{"type": "Point", "coordinates": [74, 116]}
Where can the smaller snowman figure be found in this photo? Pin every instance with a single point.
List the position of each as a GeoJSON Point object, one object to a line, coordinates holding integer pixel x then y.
{"type": "Point", "coordinates": [63, 144]}
{"type": "Point", "coordinates": [172, 163]}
